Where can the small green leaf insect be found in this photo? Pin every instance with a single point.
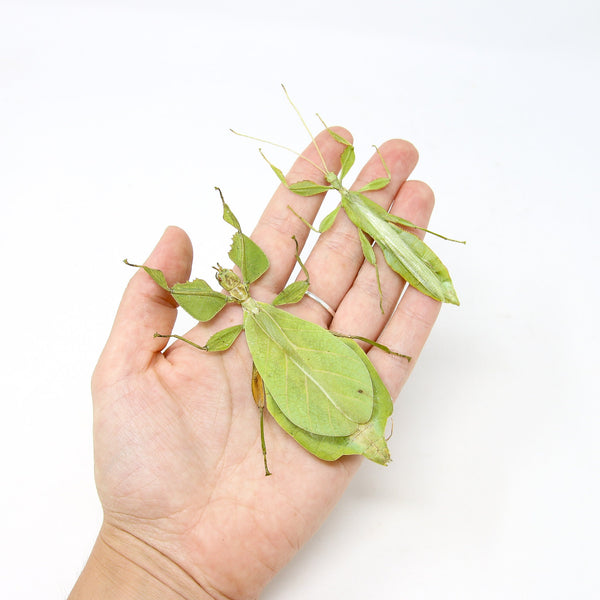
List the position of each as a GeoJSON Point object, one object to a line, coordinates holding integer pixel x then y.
{"type": "Point", "coordinates": [404, 252]}
{"type": "Point", "coordinates": [320, 387]}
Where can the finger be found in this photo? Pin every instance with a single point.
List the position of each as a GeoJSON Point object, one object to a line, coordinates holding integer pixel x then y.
{"type": "Point", "coordinates": [408, 329]}
{"type": "Point", "coordinates": [278, 223]}
{"type": "Point", "coordinates": [146, 308]}
{"type": "Point", "coordinates": [414, 202]}
{"type": "Point", "coordinates": [337, 256]}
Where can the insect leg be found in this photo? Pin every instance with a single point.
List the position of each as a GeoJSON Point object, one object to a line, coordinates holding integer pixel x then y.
{"type": "Point", "coordinates": [383, 347]}
{"type": "Point", "coordinates": [260, 397]}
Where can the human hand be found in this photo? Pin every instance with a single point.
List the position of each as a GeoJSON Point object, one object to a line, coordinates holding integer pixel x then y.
{"type": "Point", "coordinates": [188, 511]}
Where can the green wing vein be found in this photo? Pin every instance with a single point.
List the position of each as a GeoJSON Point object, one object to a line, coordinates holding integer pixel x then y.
{"type": "Point", "coordinates": [319, 383]}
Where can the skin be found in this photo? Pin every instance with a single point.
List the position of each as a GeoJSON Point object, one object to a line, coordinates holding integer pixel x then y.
{"type": "Point", "coordinates": [188, 512]}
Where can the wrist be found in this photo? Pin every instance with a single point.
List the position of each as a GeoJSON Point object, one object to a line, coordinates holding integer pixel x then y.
{"type": "Point", "coordinates": [123, 566]}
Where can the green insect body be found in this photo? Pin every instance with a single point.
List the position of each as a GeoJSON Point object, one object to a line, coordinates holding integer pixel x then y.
{"type": "Point", "coordinates": [320, 388]}
{"type": "Point", "coordinates": [299, 358]}
{"type": "Point", "coordinates": [404, 252]}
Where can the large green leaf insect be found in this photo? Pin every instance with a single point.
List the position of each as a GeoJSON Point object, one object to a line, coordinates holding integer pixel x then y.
{"type": "Point", "coordinates": [404, 252]}
{"type": "Point", "coordinates": [320, 387]}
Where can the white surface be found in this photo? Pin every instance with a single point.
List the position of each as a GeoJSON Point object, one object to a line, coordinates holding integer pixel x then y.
{"type": "Point", "coordinates": [113, 124]}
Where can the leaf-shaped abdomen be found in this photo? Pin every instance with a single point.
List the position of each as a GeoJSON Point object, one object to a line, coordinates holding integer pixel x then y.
{"type": "Point", "coordinates": [368, 440]}
{"type": "Point", "coordinates": [318, 382]}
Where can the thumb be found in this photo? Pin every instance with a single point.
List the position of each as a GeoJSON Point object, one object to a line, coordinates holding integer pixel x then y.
{"type": "Point", "coordinates": [145, 309]}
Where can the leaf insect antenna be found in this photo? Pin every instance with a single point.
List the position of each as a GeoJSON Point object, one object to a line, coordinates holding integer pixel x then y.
{"type": "Point", "coordinates": [324, 169]}
{"type": "Point", "coordinates": [306, 127]}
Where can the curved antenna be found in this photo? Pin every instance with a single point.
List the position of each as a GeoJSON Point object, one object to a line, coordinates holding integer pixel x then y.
{"type": "Point", "coordinates": [306, 127]}
{"type": "Point", "coordinates": [256, 139]}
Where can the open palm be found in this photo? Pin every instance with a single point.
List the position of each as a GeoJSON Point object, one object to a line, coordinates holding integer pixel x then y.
{"type": "Point", "coordinates": [177, 443]}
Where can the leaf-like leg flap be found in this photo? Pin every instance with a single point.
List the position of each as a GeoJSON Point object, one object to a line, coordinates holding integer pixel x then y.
{"type": "Point", "coordinates": [295, 291]}
{"type": "Point", "coordinates": [302, 188]}
{"type": "Point", "coordinates": [336, 136]}
{"type": "Point", "coordinates": [308, 188]}
{"type": "Point", "coordinates": [380, 182]}
{"type": "Point", "coordinates": [376, 184]}
{"type": "Point", "coordinates": [327, 221]}
{"type": "Point", "coordinates": [244, 253]}
{"type": "Point", "coordinates": [156, 274]}
{"type": "Point", "coordinates": [228, 215]}
{"type": "Point", "coordinates": [222, 340]}
{"type": "Point", "coordinates": [248, 257]}
{"type": "Point", "coordinates": [347, 159]}
{"type": "Point", "coordinates": [196, 297]}
{"type": "Point", "coordinates": [276, 170]}
{"type": "Point", "coordinates": [291, 294]}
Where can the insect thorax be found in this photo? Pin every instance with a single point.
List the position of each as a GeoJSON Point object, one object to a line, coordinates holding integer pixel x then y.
{"type": "Point", "coordinates": [333, 180]}
{"type": "Point", "coordinates": [232, 284]}
{"type": "Point", "coordinates": [250, 305]}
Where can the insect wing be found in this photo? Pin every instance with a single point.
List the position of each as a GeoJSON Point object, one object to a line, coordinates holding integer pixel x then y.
{"type": "Point", "coordinates": [429, 275]}
{"type": "Point", "coordinates": [368, 439]}
{"type": "Point", "coordinates": [409, 256]}
{"type": "Point", "coordinates": [318, 381]}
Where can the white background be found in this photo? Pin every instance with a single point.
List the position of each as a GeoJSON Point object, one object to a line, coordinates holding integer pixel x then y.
{"type": "Point", "coordinates": [114, 122]}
